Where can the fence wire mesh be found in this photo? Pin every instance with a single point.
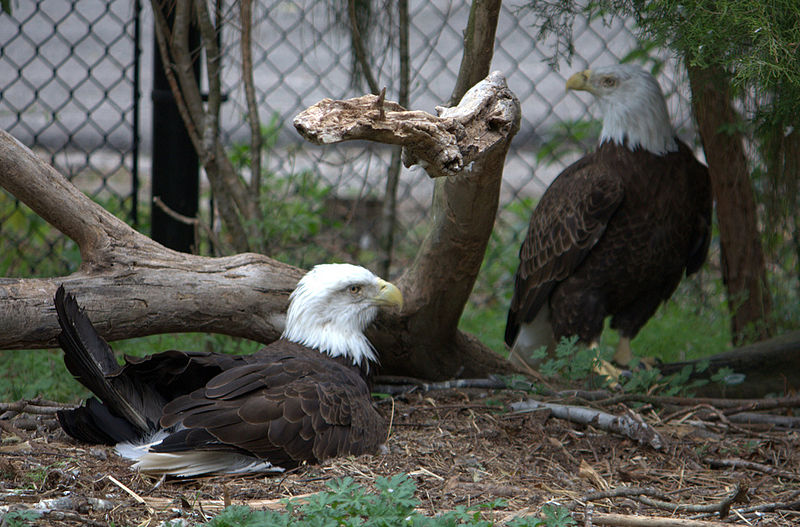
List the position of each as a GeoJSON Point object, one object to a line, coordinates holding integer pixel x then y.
{"type": "Point", "coordinates": [69, 90]}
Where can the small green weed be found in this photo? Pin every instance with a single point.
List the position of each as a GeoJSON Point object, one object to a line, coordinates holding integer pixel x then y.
{"type": "Point", "coordinates": [19, 518]}
{"type": "Point", "coordinates": [347, 504]}
{"type": "Point", "coordinates": [577, 363]}
{"type": "Point", "coordinates": [652, 382]}
{"type": "Point", "coordinates": [574, 362]}
{"type": "Point", "coordinates": [37, 476]}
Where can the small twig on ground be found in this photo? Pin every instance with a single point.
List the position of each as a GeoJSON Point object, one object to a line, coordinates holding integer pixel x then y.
{"type": "Point", "coordinates": [624, 520]}
{"type": "Point", "coordinates": [624, 492]}
{"type": "Point", "coordinates": [772, 507]}
{"type": "Point", "coordinates": [33, 406]}
{"type": "Point", "coordinates": [72, 517]}
{"type": "Point", "coordinates": [763, 404]}
{"type": "Point", "coordinates": [212, 505]}
{"type": "Point", "coordinates": [767, 507]}
{"type": "Point", "coordinates": [135, 496]}
{"type": "Point", "coordinates": [631, 425]}
{"type": "Point", "coordinates": [586, 395]}
{"type": "Point", "coordinates": [750, 418]}
{"type": "Point", "coordinates": [588, 513]}
{"type": "Point", "coordinates": [640, 494]}
{"type": "Point", "coordinates": [398, 385]}
{"type": "Point", "coordinates": [722, 507]}
{"type": "Point", "coordinates": [751, 465]}
{"type": "Point", "coordinates": [726, 421]}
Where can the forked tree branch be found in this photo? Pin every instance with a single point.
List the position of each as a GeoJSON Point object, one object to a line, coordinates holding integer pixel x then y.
{"type": "Point", "coordinates": [465, 145]}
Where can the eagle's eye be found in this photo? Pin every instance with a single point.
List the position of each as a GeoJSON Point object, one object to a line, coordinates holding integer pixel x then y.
{"type": "Point", "coordinates": [609, 82]}
{"type": "Point", "coordinates": [354, 289]}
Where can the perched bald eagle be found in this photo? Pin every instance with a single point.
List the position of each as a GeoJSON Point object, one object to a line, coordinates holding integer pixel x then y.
{"type": "Point", "coordinates": [615, 232]}
{"type": "Point", "coordinates": [303, 398]}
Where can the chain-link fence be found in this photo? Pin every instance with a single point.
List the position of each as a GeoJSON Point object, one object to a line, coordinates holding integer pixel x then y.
{"type": "Point", "coordinates": [69, 71]}
{"type": "Point", "coordinates": [68, 90]}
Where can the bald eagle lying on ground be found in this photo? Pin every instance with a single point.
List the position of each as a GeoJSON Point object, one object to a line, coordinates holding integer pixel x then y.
{"type": "Point", "coordinates": [303, 398]}
{"type": "Point", "coordinates": [616, 230]}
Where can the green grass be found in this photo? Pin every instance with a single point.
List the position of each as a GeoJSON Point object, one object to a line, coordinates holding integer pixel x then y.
{"type": "Point", "coordinates": [31, 373]}
{"type": "Point", "coordinates": [346, 503]}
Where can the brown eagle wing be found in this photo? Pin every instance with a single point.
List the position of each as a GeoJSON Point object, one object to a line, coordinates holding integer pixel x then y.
{"type": "Point", "coordinates": [297, 406]}
{"type": "Point", "coordinates": [566, 223]}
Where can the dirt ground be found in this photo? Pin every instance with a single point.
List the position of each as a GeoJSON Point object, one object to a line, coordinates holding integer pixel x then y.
{"type": "Point", "coordinates": [461, 447]}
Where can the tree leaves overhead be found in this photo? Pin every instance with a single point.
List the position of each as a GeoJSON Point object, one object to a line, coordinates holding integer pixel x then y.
{"type": "Point", "coordinates": [757, 42]}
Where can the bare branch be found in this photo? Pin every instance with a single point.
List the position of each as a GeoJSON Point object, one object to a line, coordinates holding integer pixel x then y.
{"type": "Point", "coordinates": [246, 18]}
{"type": "Point", "coordinates": [194, 222]}
{"type": "Point", "coordinates": [631, 425]}
{"type": "Point", "coordinates": [359, 49]}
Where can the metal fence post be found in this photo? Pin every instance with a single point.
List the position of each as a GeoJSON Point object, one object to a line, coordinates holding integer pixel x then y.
{"type": "Point", "coordinates": [175, 175]}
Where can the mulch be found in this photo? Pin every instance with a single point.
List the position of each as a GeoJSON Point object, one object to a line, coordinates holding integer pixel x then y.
{"type": "Point", "coordinates": [461, 447]}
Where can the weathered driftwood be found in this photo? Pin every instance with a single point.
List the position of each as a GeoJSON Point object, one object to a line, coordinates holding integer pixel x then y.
{"type": "Point", "coordinates": [133, 286]}
{"type": "Point", "coordinates": [443, 145]}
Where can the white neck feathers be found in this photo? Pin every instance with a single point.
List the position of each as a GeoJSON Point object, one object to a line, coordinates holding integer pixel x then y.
{"type": "Point", "coordinates": [324, 316]}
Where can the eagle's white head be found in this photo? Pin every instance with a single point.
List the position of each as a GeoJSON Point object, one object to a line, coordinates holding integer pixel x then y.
{"type": "Point", "coordinates": [331, 307]}
{"type": "Point", "coordinates": [632, 105]}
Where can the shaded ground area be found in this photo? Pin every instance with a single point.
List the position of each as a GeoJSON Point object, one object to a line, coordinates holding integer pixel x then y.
{"type": "Point", "coordinates": [461, 447]}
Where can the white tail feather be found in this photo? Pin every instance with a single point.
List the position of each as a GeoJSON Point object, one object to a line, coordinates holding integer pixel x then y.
{"type": "Point", "coordinates": [189, 463]}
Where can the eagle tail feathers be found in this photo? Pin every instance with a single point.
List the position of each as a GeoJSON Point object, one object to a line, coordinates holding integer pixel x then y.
{"type": "Point", "coordinates": [91, 361]}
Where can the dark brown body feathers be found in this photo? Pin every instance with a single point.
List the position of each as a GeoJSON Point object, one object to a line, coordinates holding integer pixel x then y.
{"type": "Point", "coordinates": [612, 236]}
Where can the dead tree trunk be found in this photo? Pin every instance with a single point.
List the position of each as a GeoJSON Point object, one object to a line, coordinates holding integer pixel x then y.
{"type": "Point", "coordinates": [466, 145]}
{"type": "Point", "coordinates": [132, 286]}
{"type": "Point", "coordinates": [742, 263]}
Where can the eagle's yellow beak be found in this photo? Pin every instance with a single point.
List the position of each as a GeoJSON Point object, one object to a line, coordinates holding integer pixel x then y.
{"type": "Point", "coordinates": [388, 295]}
{"type": "Point", "coordinates": [580, 81]}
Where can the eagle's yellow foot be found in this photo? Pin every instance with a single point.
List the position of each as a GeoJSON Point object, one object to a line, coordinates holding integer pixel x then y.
{"type": "Point", "coordinates": [623, 355]}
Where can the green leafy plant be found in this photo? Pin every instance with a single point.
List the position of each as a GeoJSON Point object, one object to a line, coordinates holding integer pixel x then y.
{"type": "Point", "coordinates": [19, 518]}
{"type": "Point", "coordinates": [346, 503]}
{"type": "Point", "coordinates": [651, 381]}
{"type": "Point", "coordinates": [553, 516]}
{"type": "Point", "coordinates": [574, 362]}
